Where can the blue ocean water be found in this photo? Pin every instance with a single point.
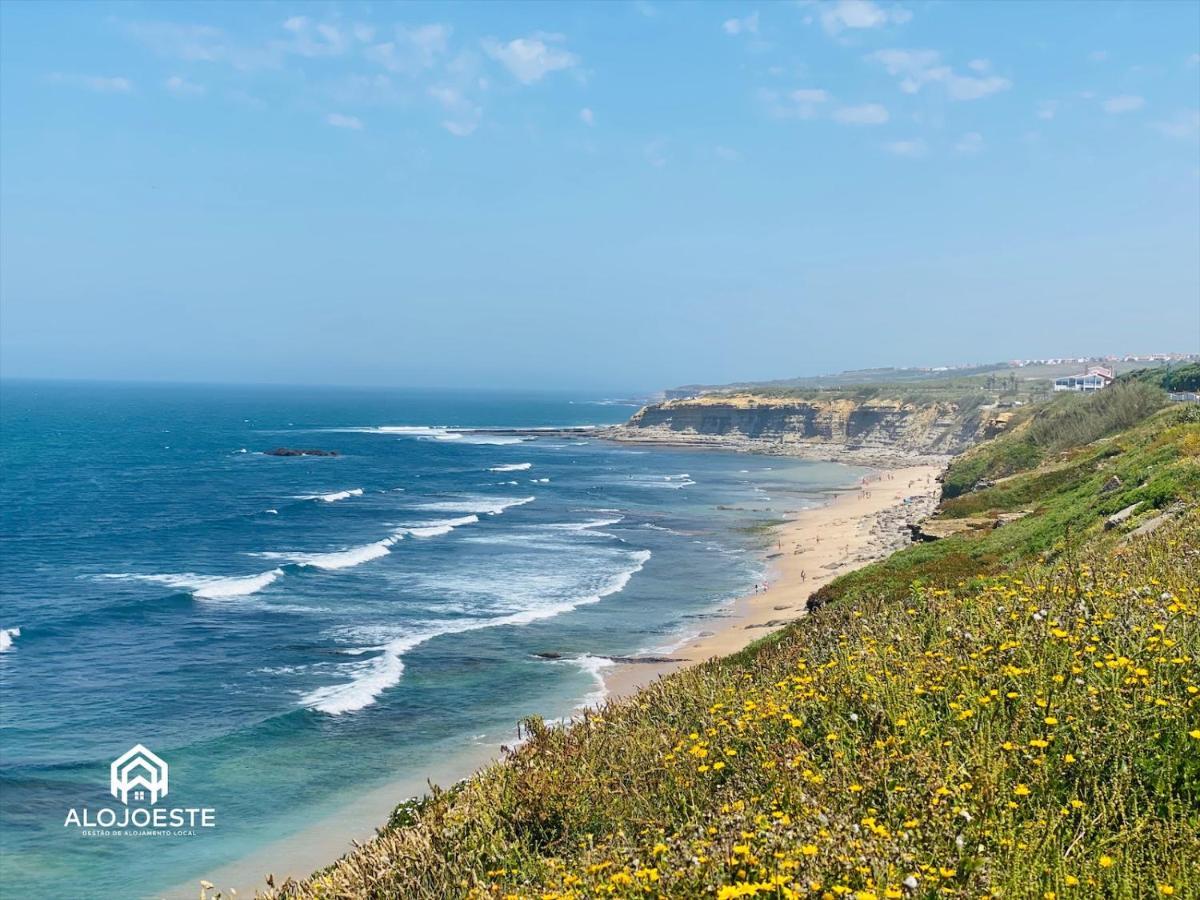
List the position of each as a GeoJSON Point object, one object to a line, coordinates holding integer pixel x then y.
{"type": "Point", "coordinates": [289, 632]}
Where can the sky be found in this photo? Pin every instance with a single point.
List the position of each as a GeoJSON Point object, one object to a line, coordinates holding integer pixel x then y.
{"type": "Point", "coordinates": [603, 196]}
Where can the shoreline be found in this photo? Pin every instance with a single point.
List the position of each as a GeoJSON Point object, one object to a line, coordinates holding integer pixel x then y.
{"type": "Point", "coordinates": [813, 547]}
{"type": "Point", "coordinates": [855, 525]}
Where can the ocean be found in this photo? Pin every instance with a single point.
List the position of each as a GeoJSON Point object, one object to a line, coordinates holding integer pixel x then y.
{"type": "Point", "coordinates": [290, 633]}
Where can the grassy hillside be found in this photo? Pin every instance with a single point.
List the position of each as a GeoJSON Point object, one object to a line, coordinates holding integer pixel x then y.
{"type": "Point", "coordinates": [1010, 711]}
{"type": "Point", "coordinates": [1067, 422]}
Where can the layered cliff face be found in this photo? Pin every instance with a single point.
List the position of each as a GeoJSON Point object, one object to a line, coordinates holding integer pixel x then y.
{"type": "Point", "coordinates": [815, 427]}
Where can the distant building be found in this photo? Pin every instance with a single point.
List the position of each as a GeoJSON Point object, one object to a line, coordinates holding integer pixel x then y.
{"type": "Point", "coordinates": [1096, 378]}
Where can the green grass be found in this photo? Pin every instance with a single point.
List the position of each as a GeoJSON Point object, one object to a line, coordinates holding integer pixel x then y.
{"type": "Point", "coordinates": [1066, 422]}
{"type": "Point", "coordinates": [1012, 713]}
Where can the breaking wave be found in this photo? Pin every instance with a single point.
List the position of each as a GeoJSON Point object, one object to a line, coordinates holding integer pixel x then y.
{"type": "Point", "coordinates": [370, 678]}
{"type": "Point", "coordinates": [333, 497]}
{"type": "Point", "coordinates": [492, 506]}
{"type": "Point", "coordinates": [7, 636]}
{"type": "Point", "coordinates": [205, 587]}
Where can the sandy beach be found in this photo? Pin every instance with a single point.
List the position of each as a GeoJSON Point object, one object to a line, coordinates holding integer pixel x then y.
{"type": "Point", "coordinates": [857, 526]}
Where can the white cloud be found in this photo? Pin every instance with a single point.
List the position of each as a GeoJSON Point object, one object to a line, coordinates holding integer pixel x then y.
{"type": "Point", "coordinates": [190, 43]}
{"type": "Point", "coordinates": [971, 142]}
{"type": "Point", "coordinates": [181, 87]}
{"type": "Point", "coordinates": [798, 104]}
{"type": "Point", "coordinates": [839, 15]}
{"type": "Point", "coordinates": [867, 114]}
{"type": "Point", "coordinates": [338, 120]}
{"type": "Point", "coordinates": [314, 39]}
{"type": "Point", "coordinates": [979, 65]}
{"type": "Point", "coordinates": [912, 149]}
{"type": "Point", "coordinates": [963, 87]}
{"type": "Point", "coordinates": [1193, 60]}
{"type": "Point", "coordinates": [726, 153]}
{"type": "Point", "coordinates": [531, 58]}
{"type": "Point", "coordinates": [917, 68]}
{"type": "Point", "coordinates": [748, 25]}
{"type": "Point", "coordinates": [1123, 103]}
{"type": "Point", "coordinates": [463, 115]}
{"type": "Point", "coordinates": [1047, 109]}
{"type": "Point", "coordinates": [99, 84]}
{"type": "Point", "coordinates": [905, 62]}
{"type": "Point", "coordinates": [1183, 125]}
{"type": "Point", "coordinates": [301, 36]}
{"type": "Point", "coordinates": [411, 50]}
{"type": "Point", "coordinates": [1098, 56]}
{"type": "Point", "coordinates": [587, 116]}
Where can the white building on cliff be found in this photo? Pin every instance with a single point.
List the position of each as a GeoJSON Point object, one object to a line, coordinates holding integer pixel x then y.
{"type": "Point", "coordinates": [1096, 378]}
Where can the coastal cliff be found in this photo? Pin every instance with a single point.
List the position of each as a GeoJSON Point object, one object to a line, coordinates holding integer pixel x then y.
{"type": "Point", "coordinates": [877, 430]}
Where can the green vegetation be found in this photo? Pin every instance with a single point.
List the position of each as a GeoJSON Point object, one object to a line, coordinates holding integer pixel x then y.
{"type": "Point", "coordinates": [1012, 712]}
{"type": "Point", "coordinates": [1173, 378]}
{"type": "Point", "coordinates": [1062, 424]}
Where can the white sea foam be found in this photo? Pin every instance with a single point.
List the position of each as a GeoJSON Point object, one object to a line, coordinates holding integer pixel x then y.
{"type": "Point", "coordinates": [7, 636]}
{"type": "Point", "coordinates": [332, 497]}
{"type": "Point", "coordinates": [332, 560]}
{"type": "Point", "coordinates": [594, 666]}
{"type": "Point", "coordinates": [206, 587]}
{"type": "Point", "coordinates": [512, 467]}
{"type": "Point", "coordinates": [434, 529]}
{"type": "Point", "coordinates": [539, 480]}
{"type": "Point", "coordinates": [675, 482]}
{"type": "Point", "coordinates": [338, 559]}
{"type": "Point", "coordinates": [583, 526]}
{"type": "Point", "coordinates": [615, 584]}
{"type": "Point", "coordinates": [655, 527]}
{"type": "Point", "coordinates": [271, 512]}
{"type": "Point", "coordinates": [492, 506]}
{"type": "Point", "coordinates": [371, 677]}
{"type": "Point", "coordinates": [436, 433]}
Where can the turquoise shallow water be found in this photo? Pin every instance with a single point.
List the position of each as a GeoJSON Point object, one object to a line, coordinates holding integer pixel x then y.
{"type": "Point", "coordinates": [288, 632]}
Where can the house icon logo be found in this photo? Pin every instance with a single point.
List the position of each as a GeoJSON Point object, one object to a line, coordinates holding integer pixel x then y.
{"type": "Point", "coordinates": [139, 773]}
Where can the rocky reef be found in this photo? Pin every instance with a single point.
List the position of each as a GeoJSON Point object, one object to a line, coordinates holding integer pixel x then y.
{"type": "Point", "coordinates": [293, 451]}
{"type": "Point", "coordinates": [877, 431]}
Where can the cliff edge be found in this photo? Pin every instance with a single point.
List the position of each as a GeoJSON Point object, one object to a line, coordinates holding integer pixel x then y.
{"type": "Point", "coordinates": [875, 431]}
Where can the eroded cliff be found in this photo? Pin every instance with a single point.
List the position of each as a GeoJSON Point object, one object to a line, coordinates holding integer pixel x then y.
{"type": "Point", "coordinates": [838, 427]}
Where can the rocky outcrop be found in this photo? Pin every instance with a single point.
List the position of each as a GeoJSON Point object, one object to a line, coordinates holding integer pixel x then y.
{"type": "Point", "coordinates": [870, 430]}
{"type": "Point", "coordinates": [290, 451]}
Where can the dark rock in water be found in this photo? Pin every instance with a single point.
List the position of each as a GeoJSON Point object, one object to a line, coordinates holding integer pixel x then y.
{"type": "Point", "coordinates": [646, 659]}
{"type": "Point", "coordinates": [549, 654]}
{"type": "Point", "coordinates": [1111, 485]}
{"type": "Point", "coordinates": [290, 451]}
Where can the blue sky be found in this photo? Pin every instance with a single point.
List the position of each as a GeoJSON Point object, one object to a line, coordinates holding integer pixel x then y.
{"type": "Point", "coordinates": [616, 195]}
